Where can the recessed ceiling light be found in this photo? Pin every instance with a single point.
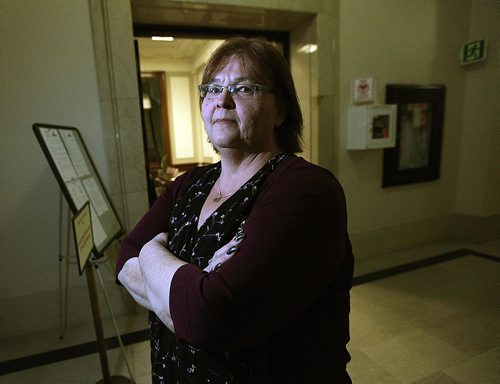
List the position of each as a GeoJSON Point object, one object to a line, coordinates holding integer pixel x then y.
{"type": "Point", "coordinates": [308, 48]}
{"type": "Point", "coordinates": [162, 38]}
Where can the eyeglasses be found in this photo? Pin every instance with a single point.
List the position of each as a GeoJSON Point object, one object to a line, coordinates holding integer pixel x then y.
{"type": "Point", "coordinates": [237, 91]}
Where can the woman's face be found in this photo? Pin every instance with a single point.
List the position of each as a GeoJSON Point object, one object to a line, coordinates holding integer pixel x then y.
{"type": "Point", "coordinates": [242, 124]}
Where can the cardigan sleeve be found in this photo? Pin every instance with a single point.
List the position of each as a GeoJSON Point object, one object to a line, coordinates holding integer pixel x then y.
{"type": "Point", "coordinates": [152, 223]}
{"type": "Point", "coordinates": [155, 221]}
{"type": "Point", "coordinates": [294, 247]}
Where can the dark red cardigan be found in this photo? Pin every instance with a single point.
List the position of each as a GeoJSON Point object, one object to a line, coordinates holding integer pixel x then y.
{"type": "Point", "coordinates": [290, 279]}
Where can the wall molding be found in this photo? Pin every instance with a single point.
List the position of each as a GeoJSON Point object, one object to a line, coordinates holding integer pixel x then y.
{"type": "Point", "coordinates": [465, 228]}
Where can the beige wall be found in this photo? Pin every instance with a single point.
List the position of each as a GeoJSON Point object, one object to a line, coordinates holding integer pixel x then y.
{"type": "Point", "coordinates": [418, 42]}
{"type": "Point", "coordinates": [398, 42]}
{"type": "Point", "coordinates": [47, 74]}
{"type": "Point", "coordinates": [479, 167]}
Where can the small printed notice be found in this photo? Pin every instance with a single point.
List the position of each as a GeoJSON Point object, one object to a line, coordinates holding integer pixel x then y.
{"type": "Point", "coordinates": [98, 230]}
{"type": "Point", "coordinates": [95, 195]}
{"type": "Point", "coordinates": [59, 154]}
{"type": "Point", "coordinates": [363, 90]}
{"type": "Point", "coordinates": [75, 154]}
{"type": "Point", "coordinates": [77, 192]}
{"type": "Point", "coordinates": [84, 240]}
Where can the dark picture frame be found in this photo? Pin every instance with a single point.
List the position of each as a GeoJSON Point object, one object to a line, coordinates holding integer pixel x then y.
{"type": "Point", "coordinates": [420, 116]}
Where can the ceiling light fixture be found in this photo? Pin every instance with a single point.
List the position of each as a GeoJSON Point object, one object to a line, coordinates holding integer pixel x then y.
{"type": "Point", "coordinates": [308, 48]}
{"type": "Point", "coordinates": [162, 38]}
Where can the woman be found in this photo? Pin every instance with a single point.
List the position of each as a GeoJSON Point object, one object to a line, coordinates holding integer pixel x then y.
{"type": "Point", "coordinates": [248, 272]}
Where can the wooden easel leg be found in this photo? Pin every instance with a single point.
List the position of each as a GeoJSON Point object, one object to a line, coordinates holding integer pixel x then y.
{"type": "Point", "coordinates": [96, 314]}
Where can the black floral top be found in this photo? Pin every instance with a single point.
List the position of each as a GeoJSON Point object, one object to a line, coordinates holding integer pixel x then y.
{"type": "Point", "coordinates": [174, 361]}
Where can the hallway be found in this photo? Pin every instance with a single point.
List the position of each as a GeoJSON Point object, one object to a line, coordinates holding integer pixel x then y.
{"type": "Point", "coordinates": [426, 315]}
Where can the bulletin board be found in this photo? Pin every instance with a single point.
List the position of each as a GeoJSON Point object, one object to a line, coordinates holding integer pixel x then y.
{"type": "Point", "coordinates": [79, 181]}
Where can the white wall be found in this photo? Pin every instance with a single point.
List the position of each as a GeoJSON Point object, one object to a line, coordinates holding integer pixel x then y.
{"type": "Point", "coordinates": [47, 75]}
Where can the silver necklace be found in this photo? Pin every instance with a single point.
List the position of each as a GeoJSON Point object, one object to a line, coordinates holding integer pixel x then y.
{"type": "Point", "coordinates": [220, 197]}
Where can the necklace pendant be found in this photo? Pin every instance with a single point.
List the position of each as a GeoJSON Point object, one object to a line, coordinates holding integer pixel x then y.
{"type": "Point", "coordinates": [217, 199]}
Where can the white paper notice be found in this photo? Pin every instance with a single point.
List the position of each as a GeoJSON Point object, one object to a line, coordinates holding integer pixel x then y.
{"type": "Point", "coordinates": [75, 154]}
{"type": "Point", "coordinates": [95, 195]}
{"type": "Point", "coordinates": [59, 154]}
{"type": "Point", "coordinates": [97, 229]}
{"type": "Point", "coordinates": [77, 192]}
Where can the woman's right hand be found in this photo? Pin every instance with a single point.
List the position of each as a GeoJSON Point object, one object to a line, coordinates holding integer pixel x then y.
{"type": "Point", "coordinates": [224, 253]}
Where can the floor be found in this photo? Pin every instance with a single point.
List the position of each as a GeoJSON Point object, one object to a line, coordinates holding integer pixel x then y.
{"type": "Point", "coordinates": [429, 315]}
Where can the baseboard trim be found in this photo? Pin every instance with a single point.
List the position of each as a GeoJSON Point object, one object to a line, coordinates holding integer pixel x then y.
{"type": "Point", "coordinates": [459, 227]}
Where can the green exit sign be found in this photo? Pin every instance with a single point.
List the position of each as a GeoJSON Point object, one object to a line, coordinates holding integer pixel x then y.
{"type": "Point", "coordinates": [473, 51]}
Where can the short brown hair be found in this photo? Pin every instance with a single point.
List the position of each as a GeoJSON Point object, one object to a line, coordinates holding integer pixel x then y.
{"type": "Point", "coordinates": [271, 69]}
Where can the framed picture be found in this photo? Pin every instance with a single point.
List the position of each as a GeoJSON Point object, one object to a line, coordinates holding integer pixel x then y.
{"type": "Point", "coordinates": [417, 155]}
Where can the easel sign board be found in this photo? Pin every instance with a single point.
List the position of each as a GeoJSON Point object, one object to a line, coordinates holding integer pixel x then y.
{"type": "Point", "coordinates": [84, 240]}
{"type": "Point", "coordinates": [79, 181]}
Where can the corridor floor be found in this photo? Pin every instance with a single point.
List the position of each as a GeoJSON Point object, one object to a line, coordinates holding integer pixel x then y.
{"type": "Point", "coordinates": [429, 315]}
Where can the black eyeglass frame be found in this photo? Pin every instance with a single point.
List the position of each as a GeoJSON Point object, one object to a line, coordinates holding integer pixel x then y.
{"type": "Point", "coordinates": [232, 89]}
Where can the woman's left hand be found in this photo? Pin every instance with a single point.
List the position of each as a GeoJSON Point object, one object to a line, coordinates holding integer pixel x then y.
{"type": "Point", "coordinates": [224, 253]}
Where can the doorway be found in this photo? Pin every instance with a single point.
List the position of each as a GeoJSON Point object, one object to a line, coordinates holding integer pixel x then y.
{"type": "Point", "coordinates": [171, 63]}
{"type": "Point", "coordinates": [112, 25]}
